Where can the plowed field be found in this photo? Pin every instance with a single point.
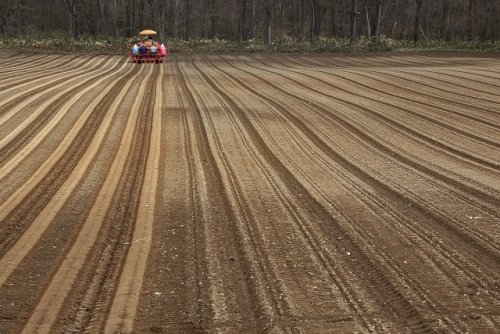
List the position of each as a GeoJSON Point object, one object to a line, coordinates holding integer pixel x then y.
{"type": "Point", "coordinates": [250, 193]}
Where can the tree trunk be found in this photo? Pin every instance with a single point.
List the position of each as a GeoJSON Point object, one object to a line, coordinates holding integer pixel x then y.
{"type": "Point", "coordinates": [302, 16]}
{"type": "Point", "coordinates": [268, 23]}
{"type": "Point", "coordinates": [187, 22]}
{"type": "Point", "coordinates": [176, 18]}
{"type": "Point", "coordinates": [45, 16]}
{"type": "Point", "coordinates": [368, 25]}
{"type": "Point", "coordinates": [102, 17]}
{"type": "Point", "coordinates": [254, 18]}
{"type": "Point", "coordinates": [316, 17]}
{"type": "Point", "coordinates": [161, 10]}
{"type": "Point", "coordinates": [243, 20]}
{"type": "Point", "coordinates": [333, 30]}
{"type": "Point", "coordinates": [74, 19]}
{"type": "Point", "coordinates": [312, 22]}
{"type": "Point", "coordinates": [417, 21]}
{"type": "Point", "coordinates": [380, 3]}
{"type": "Point", "coordinates": [353, 20]}
{"type": "Point", "coordinates": [470, 21]}
{"type": "Point", "coordinates": [444, 21]}
{"type": "Point", "coordinates": [495, 24]}
{"type": "Point", "coordinates": [140, 13]}
{"type": "Point", "coordinates": [89, 24]}
{"type": "Point", "coordinates": [206, 19]}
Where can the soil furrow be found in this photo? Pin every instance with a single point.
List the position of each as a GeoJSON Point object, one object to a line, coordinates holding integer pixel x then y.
{"type": "Point", "coordinates": [412, 113]}
{"type": "Point", "coordinates": [23, 98]}
{"type": "Point", "coordinates": [428, 83]}
{"type": "Point", "coordinates": [43, 247]}
{"type": "Point", "coordinates": [125, 303]}
{"type": "Point", "coordinates": [93, 301]}
{"type": "Point", "coordinates": [280, 292]}
{"type": "Point", "coordinates": [41, 75]}
{"type": "Point", "coordinates": [462, 263]}
{"type": "Point", "coordinates": [384, 118]}
{"type": "Point", "coordinates": [487, 196]}
{"type": "Point", "coordinates": [366, 268]}
{"type": "Point", "coordinates": [34, 62]}
{"type": "Point", "coordinates": [443, 219]}
{"type": "Point", "coordinates": [314, 241]}
{"type": "Point", "coordinates": [59, 296]}
{"type": "Point", "coordinates": [15, 222]}
{"type": "Point", "coordinates": [440, 88]}
{"type": "Point", "coordinates": [17, 143]}
{"type": "Point", "coordinates": [421, 97]}
{"type": "Point", "coordinates": [480, 236]}
{"type": "Point", "coordinates": [387, 261]}
{"type": "Point", "coordinates": [250, 193]}
{"type": "Point", "coordinates": [216, 191]}
{"type": "Point", "coordinates": [35, 160]}
{"type": "Point", "coordinates": [15, 80]}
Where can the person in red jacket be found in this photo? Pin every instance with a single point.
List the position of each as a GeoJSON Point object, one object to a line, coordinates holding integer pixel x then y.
{"type": "Point", "coordinates": [163, 50]}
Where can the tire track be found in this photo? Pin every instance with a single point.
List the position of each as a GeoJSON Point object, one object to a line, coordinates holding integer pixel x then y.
{"type": "Point", "coordinates": [453, 254]}
{"type": "Point", "coordinates": [492, 242]}
{"type": "Point", "coordinates": [181, 240]}
{"type": "Point", "coordinates": [364, 236]}
{"type": "Point", "coordinates": [221, 311]}
{"type": "Point", "coordinates": [366, 268]}
{"type": "Point", "coordinates": [312, 239]}
{"type": "Point", "coordinates": [280, 298]}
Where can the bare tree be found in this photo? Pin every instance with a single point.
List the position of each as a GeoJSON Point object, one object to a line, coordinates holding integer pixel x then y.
{"type": "Point", "coordinates": [268, 4]}
{"type": "Point", "coordinates": [353, 14]}
{"type": "Point", "coordinates": [367, 16]}
{"type": "Point", "coordinates": [243, 19]}
{"type": "Point", "coordinates": [444, 20]}
{"type": "Point", "coordinates": [187, 19]}
{"type": "Point", "coordinates": [417, 21]}
{"type": "Point", "coordinates": [74, 18]}
{"type": "Point", "coordinates": [380, 3]}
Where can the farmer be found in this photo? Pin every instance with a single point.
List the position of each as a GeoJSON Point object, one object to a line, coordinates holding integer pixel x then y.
{"type": "Point", "coordinates": [135, 49]}
{"type": "Point", "coordinates": [163, 50]}
{"type": "Point", "coordinates": [144, 51]}
{"type": "Point", "coordinates": [153, 50]}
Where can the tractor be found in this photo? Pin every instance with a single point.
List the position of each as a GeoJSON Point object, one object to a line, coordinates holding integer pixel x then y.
{"type": "Point", "coordinates": [148, 49]}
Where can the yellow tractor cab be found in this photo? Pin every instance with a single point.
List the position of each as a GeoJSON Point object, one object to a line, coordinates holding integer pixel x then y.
{"type": "Point", "coordinates": [148, 49]}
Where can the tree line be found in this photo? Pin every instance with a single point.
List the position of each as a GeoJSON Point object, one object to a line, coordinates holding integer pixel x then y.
{"type": "Point", "coordinates": [260, 19]}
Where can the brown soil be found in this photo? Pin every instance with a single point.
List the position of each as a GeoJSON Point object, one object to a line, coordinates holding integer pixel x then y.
{"type": "Point", "coordinates": [250, 193]}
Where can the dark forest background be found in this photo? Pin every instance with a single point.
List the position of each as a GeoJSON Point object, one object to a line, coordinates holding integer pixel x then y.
{"type": "Point", "coordinates": [460, 20]}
